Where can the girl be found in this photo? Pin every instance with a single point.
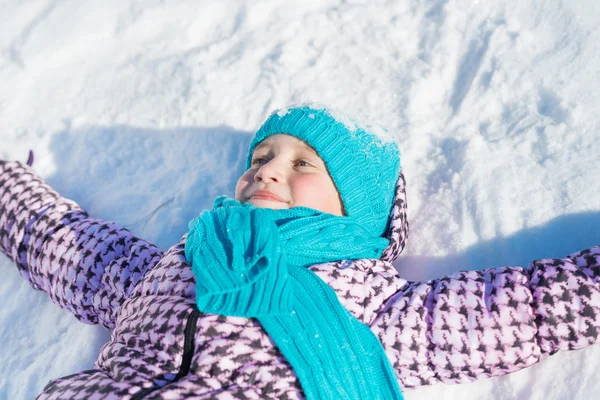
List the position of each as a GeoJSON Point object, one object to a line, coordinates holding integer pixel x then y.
{"type": "Point", "coordinates": [288, 291]}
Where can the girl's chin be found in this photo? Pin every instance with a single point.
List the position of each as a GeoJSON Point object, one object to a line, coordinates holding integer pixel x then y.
{"type": "Point", "coordinates": [263, 203]}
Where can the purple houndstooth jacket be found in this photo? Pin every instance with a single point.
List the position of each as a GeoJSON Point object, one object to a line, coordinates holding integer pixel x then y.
{"type": "Point", "coordinates": [465, 326]}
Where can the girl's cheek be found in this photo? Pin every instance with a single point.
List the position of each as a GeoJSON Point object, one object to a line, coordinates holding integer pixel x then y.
{"type": "Point", "coordinates": [242, 183]}
{"type": "Point", "coordinates": [313, 191]}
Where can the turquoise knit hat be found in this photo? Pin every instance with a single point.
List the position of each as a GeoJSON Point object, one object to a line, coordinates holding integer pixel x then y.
{"type": "Point", "coordinates": [363, 165]}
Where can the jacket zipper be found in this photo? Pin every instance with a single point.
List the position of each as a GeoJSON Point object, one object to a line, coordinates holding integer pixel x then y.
{"type": "Point", "coordinates": [188, 353]}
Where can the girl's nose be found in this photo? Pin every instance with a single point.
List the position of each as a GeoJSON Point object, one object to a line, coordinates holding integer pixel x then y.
{"type": "Point", "coordinates": [270, 172]}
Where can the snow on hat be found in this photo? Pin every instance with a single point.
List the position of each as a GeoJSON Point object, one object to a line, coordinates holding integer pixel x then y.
{"type": "Point", "coordinates": [364, 163]}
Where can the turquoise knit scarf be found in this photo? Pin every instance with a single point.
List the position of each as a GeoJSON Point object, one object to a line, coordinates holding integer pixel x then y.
{"type": "Point", "coordinates": [252, 262]}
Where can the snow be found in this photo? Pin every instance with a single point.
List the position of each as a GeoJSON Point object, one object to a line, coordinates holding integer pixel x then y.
{"type": "Point", "coordinates": [142, 112]}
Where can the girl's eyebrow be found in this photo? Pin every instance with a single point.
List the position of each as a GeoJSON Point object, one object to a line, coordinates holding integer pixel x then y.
{"type": "Point", "coordinates": [307, 147]}
{"type": "Point", "coordinates": [260, 145]}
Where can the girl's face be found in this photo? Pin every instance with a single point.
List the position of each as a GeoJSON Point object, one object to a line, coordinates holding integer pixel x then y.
{"type": "Point", "coordinates": [286, 173]}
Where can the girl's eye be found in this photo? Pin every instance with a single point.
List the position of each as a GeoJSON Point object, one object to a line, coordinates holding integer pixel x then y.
{"type": "Point", "coordinates": [259, 161]}
{"type": "Point", "coordinates": [302, 163]}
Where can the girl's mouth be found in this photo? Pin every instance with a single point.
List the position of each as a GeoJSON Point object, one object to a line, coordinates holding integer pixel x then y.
{"type": "Point", "coordinates": [266, 195]}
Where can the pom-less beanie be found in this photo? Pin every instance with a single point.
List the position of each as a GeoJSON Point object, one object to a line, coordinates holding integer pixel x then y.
{"type": "Point", "coordinates": [363, 165]}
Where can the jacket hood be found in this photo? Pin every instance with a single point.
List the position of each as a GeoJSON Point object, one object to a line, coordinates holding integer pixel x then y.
{"type": "Point", "coordinates": [397, 229]}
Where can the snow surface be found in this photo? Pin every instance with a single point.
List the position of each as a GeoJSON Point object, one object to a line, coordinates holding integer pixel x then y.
{"type": "Point", "coordinates": [141, 111]}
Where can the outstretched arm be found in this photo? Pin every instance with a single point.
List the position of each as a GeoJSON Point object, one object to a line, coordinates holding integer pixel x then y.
{"type": "Point", "coordinates": [475, 324]}
{"type": "Point", "coordinates": [86, 265]}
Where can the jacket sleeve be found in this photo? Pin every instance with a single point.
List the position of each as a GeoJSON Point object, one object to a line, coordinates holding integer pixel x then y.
{"type": "Point", "coordinates": [86, 265]}
{"type": "Point", "coordinates": [475, 324]}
